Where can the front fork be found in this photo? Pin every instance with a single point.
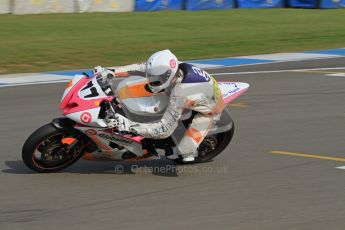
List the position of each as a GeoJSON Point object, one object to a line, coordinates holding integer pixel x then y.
{"type": "Point", "coordinates": [66, 124]}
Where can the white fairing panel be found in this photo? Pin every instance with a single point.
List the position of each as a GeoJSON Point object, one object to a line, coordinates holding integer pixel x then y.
{"type": "Point", "coordinates": [153, 105]}
{"type": "Point", "coordinates": [88, 117]}
{"type": "Point", "coordinates": [86, 91]}
{"type": "Point", "coordinates": [232, 90]}
{"type": "Point", "coordinates": [103, 139]}
{"type": "Point", "coordinates": [149, 105]}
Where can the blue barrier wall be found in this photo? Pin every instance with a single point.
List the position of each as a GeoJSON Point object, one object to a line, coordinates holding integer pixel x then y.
{"type": "Point", "coordinates": [324, 4]}
{"type": "Point", "coordinates": [330, 4]}
{"type": "Point", "coordinates": [260, 3]}
{"type": "Point", "coordinates": [154, 5]}
{"type": "Point", "coordinates": [303, 3]}
{"type": "Point", "coordinates": [208, 4]}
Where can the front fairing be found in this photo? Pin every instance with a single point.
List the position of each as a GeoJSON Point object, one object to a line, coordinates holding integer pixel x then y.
{"type": "Point", "coordinates": [81, 100]}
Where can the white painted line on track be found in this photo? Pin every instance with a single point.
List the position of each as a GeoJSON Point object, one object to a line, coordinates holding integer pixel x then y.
{"type": "Point", "coordinates": [34, 83]}
{"type": "Point", "coordinates": [275, 62]}
{"type": "Point", "coordinates": [206, 66]}
{"type": "Point", "coordinates": [276, 71]}
{"type": "Point", "coordinates": [340, 167]}
{"type": "Point", "coordinates": [336, 75]}
{"type": "Point", "coordinates": [21, 81]}
{"type": "Point", "coordinates": [290, 56]}
{"type": "Point", "coordinates": [324, 68]}
{"type": "Point", "coordinates": [41, 78]}
{"type": "Point", "coordinates": [31, 79]}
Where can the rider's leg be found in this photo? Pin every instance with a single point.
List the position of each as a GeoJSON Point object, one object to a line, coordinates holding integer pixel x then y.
{"type": "Point", "coordinates": [193, 136]}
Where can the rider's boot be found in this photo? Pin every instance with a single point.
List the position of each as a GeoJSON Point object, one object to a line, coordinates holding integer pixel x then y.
{"type": "Point", "coordinates": [188, 158]}
{"type": "Point", "coordinates": [172, 155]}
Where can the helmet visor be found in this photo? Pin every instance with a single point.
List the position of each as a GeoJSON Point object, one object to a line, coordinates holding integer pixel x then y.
{"type": "Point", "coordinates": [158, 80]}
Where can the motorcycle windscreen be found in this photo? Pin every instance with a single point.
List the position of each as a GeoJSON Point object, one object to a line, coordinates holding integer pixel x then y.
{"type": "Point", "coordinates": [133, 92]}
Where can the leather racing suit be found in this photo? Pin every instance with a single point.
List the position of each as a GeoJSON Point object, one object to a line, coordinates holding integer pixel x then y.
{"type": "Point", "coordinates": [195, 90]}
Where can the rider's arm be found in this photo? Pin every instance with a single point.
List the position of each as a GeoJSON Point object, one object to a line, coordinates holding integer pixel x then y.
{"type": "Point", "coordinates": [123, 70]}
{"type": "Point", "coordinates": [164, 127]}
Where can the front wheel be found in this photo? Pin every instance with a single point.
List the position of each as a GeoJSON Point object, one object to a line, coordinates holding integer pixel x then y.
{"type": "Point", "coordinates": [49, 149]}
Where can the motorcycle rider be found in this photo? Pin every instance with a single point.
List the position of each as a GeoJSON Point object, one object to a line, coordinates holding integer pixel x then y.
{"type": "Point", "coordinates": [189, 88]}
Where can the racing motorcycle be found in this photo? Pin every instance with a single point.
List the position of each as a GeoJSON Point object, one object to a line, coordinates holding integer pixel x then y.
{"type": "Point", "coordinates": [89, 102]}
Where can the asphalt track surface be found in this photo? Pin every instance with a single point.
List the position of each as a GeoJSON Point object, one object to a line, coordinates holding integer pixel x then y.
{"type": "Point", "coordinates": [246, 187]}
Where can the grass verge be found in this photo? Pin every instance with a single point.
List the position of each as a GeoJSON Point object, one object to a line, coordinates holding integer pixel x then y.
{"type": "Point", "coordinates": [33, 43]}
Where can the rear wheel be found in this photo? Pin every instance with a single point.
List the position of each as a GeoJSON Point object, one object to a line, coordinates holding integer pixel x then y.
{"type": "Point", "coordinates": [49, 149]}
{"type": "Point", "coordinates": [212, 145]}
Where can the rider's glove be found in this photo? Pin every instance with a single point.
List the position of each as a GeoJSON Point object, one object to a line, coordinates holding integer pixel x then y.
{"type": "Point", "coordinates": [101, 71]}
{"type": "Point", "coordinates": [122, 123]}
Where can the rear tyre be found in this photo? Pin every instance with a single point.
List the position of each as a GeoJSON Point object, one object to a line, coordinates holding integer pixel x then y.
{"type": "Point", "coordinates": [212, 145]}
{"type": "Point", "coordinates": [207, 152]}
{"type": "Point", "coordinates": [44, 151]}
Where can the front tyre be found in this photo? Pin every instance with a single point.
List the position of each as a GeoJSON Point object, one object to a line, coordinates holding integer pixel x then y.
{"type": "Point", "coordinates": [49, 149]}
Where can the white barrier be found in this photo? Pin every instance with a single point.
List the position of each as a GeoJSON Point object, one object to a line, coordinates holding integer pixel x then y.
{"type": "Point", "coordinates": [43, 6]}
{"type": "Point", "coordinates": [106, 5]}
{"type": "Point", "coordinates": [5, 6]}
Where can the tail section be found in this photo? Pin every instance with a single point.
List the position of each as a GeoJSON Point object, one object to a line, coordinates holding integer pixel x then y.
{"type": "Point", "coordinates": [232, 90]}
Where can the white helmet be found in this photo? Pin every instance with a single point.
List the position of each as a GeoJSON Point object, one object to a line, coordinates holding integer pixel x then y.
{"type": "Point", "coordinates": [161, 68]}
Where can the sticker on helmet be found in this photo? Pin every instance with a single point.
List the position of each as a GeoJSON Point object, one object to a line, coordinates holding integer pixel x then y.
{"type": "Point", "coordinates": [172, 63]}
{"type": "Point", "coordinates": [86, 117]}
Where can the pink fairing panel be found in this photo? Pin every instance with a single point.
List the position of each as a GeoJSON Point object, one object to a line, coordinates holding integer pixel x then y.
{"type": "Point", "coordinates": [136, 138]}
{"type": "Point", "coordinates": [74, 99]}
{"type": "Point", "coordinates": [232, 90]}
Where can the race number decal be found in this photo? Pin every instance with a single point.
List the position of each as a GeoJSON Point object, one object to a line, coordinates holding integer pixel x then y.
{"type": "Point", "coordinates": [201, 73]}
{"type": "Point", "coordinates": [194, 74]}
{"type": "Point", "coordinates": [89, 91]}
{"type": "Point", "coordinates": [86, 117]}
